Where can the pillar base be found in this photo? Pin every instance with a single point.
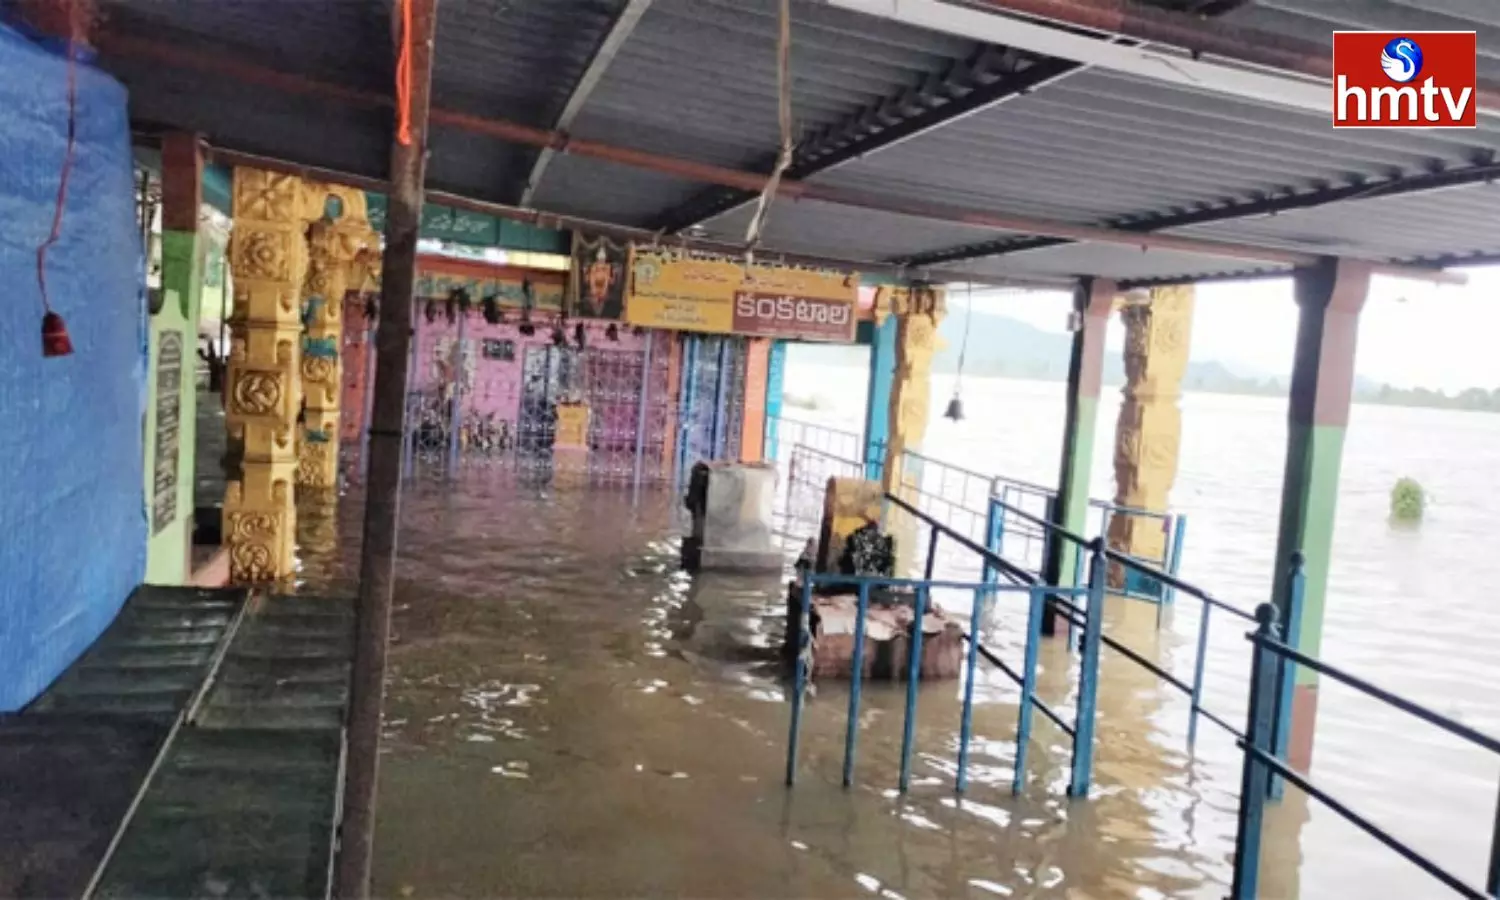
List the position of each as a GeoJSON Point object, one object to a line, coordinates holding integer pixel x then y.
{"type": "Point", "coordinates": [1299, 749]}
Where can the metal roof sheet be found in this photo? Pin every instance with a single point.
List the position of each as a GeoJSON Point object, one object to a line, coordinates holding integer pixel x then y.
{"type": "Point", "coordinates": [824, 228]}
{"type": "Point", "coordinates": [697, 80]}
{"type": "Point", "coordinates": [1102, 146]}
{"type": "Point", "coordinates": [1312, 19]}
{"type": "Point", "coordinates": [698, 77]}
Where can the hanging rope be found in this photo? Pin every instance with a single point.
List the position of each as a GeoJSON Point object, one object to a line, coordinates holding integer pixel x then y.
{"type": "Point", "coordinates": [403, 78]}
{"type": "Point", "coordinates": [963, 347]}
{"type": "Point", "coordinates": [62, 183]}
{"type": "Point", "coordinates": [55, 339]}
{"type": "Point", "coordinates": [784, 114]}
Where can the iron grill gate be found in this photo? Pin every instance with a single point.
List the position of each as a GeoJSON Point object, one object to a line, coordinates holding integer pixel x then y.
{"type": "Point", "coordinates": [485, 394]}
{"type": "Point", "coordinates": [712, 409]}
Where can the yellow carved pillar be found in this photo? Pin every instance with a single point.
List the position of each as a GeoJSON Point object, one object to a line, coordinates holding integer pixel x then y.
{"type": "Point", "coordinates": [263, 394]}
{"type": "Point", "coordinates": [1149, 431]}
{"type": "Point", "coordinates": [918, 311]}
{"type": "Point", "coordinates": [341, 249]}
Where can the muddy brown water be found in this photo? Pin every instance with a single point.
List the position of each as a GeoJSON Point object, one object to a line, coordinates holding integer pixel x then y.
{"type": "Point", "coordinates": [569, 715]}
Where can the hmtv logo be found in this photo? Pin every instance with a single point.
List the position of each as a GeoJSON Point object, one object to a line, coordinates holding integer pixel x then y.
{"type": "Point", "coordinates": [1413, 79]}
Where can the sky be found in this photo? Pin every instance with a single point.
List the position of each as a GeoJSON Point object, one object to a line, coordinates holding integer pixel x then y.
{"type": "Point", "coordinates": [1411, 334]}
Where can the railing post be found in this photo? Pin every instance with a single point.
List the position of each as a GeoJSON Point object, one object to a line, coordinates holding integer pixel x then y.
{"type": "Point", "coordinates": [966, 725]}
{"type": "Point", "coordinates": [1174, 559]}
{"type": "Point", "coordinates": [1077, 582]}
{"type": "Point", "coordinates": [1492, 883]}
{"type": "Point", "coordinates": [1088, 675]}
{"type": "Point", "coordinates": [994, 531]}
{"type": "Point", "coordinates": [1037, 597]}
{"type": "Point", "coordinates": [856, 680]}
{"type": "Point", "coordinates": [1287, 670]}
{"type": "Point", "coordinates": [932, 545]}
{"type": "Point", "coordinates": [1198, 661]}
{"type": "Point", "coordinates": [1254, 784]}
{"type": "Point", "coordinates": [456, 405]}
{"type": "Point", "coordinates": [801, 666]}
{"type": "Point", "coordinates": [640, 413]}
{"type": "Point", "coordinates": [913, 678]}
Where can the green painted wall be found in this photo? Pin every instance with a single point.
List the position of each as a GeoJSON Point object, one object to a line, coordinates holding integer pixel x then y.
{"type": "Point", "coordinates": [169, 540]}
{"type": "Point", "coordinates": [1079, 458]}
{"type": "Point", "coordinates": [1308, 504]}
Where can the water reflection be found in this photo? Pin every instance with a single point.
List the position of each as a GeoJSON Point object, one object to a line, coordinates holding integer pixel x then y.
{"type": "Point", "coordinates": [569, 715]}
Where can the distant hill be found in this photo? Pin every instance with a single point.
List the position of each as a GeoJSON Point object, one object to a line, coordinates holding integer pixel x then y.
{"type": "Point", "coordinates": [1000, 346]}
{"type": "Point", "coordinates": [1003, 347]}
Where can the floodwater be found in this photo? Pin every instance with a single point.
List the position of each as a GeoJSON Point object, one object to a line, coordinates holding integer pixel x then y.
{"type": "Point", "coordinates": [571, 716]}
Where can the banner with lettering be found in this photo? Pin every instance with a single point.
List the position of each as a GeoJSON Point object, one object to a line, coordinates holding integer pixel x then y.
{"type": "Point", "coordinates": [437, 276]}
{"type": "Point", "coordinates": [672, 290]}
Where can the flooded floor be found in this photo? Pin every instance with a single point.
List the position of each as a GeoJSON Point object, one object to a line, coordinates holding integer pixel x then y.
{"type": "Point", "coordinates": [571, 716]}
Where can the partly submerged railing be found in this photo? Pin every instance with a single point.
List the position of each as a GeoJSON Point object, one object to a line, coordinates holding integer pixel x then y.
{"type": "Point", "coordinates": [1265, 764]}
{"type": "Point", "coordinates": [1266, 738]}
{"type": "Point", "coordinates": [1209, 603]}
{"type": "Point", "coordinates": [1264, 741]}
{"type": "Point", "coordinates": [784, 433]}
{"type": "Point", "coordinates": [1081, 729]}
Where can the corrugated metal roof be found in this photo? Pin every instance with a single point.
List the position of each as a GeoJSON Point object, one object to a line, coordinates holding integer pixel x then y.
{"type": "Point", "coordinates": [1416, 226]}
{"type": "Point", "coordinates": [306, 130]}
{"type": "Point", "coordinates": [697, 80]}
{"type": "Point", "coordinates": [1102, 146]}
{"type": "Point", "coordinates": [698, 77]}
{"type": "Point", "coordinates": [824, 228]}
{"type": "Point", "coordinates": [608, 192]}
{"type": "Point", "coordinates": [325, 39]}
{"type": "Point", "coordinates": [1318, 19]}
{"type": "Point", "coordinates": [515, 58]}
{"type": "Point", "coordinates": [1114, 261]}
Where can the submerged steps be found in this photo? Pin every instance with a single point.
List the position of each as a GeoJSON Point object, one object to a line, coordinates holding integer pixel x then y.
{"type": "Point", "coordinates": [237, 701]}
{"type": "Point", "coordinates": [246, 799]}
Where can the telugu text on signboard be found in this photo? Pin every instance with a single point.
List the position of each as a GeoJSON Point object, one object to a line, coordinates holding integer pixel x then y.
{"type": "Point", "coordinates": [168, 428]}
{"type": "Point", "coordinates": [670, 290]}
{"type": "Point", "coordinates": [787, 316]}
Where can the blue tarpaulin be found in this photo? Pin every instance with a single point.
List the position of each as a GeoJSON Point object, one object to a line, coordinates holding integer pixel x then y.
{"type": "Point", "coordinates": [72, 512]}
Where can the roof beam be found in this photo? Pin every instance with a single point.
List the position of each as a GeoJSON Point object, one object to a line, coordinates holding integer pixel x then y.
{"type": "Point", "coordinates": [623, 27]}
{"type": "Point", "coordinates": [1170, 66]}
{"type": "Point", "coordinates": [1197, 36]}
{"type": "Point", "coordinates": [544, 219]}
{"type": "Point", "coordinates": [218, 64]}
{"type": "Point", "coordinates": [989, 79]}
{"type": "Point", "coordinates": [1482, 172]}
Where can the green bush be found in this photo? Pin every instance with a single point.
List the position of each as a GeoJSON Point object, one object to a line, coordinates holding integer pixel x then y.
{"type": "Point", "coordinates": [1407, 501]}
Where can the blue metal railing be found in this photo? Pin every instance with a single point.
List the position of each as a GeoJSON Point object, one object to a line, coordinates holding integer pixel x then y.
{"type": "Point", "coordinates": [1265, 766]}
{"type": "Point", "coordinates": [1209, 603]}
{"type": "Point", "coordinates": [784, 432]}
{"type": "Point", "coordinates": [1275, 657]}
{"type": "Point", "coordinates": [1081, 729]}
{"type": "Point", "coordinates": [979, 504]}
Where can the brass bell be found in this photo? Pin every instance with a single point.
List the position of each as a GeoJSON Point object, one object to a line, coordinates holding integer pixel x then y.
{"type": "Point", "coordinates": [955, 409]}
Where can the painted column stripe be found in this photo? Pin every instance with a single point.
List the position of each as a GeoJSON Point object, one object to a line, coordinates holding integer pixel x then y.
{"type": "Point", "coordinates": [1092, 302]}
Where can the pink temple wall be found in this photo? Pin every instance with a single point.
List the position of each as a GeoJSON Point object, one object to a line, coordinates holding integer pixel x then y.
{"type": "Point", "coordinates": [496, 387]}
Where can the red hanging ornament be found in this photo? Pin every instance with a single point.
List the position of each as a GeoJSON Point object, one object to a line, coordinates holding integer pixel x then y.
{"type": "Point", "coordinates": [55, 340]}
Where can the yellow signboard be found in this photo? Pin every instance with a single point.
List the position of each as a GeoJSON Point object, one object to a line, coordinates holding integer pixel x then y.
{"type": "Point", "coordinates": [670, 290]}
